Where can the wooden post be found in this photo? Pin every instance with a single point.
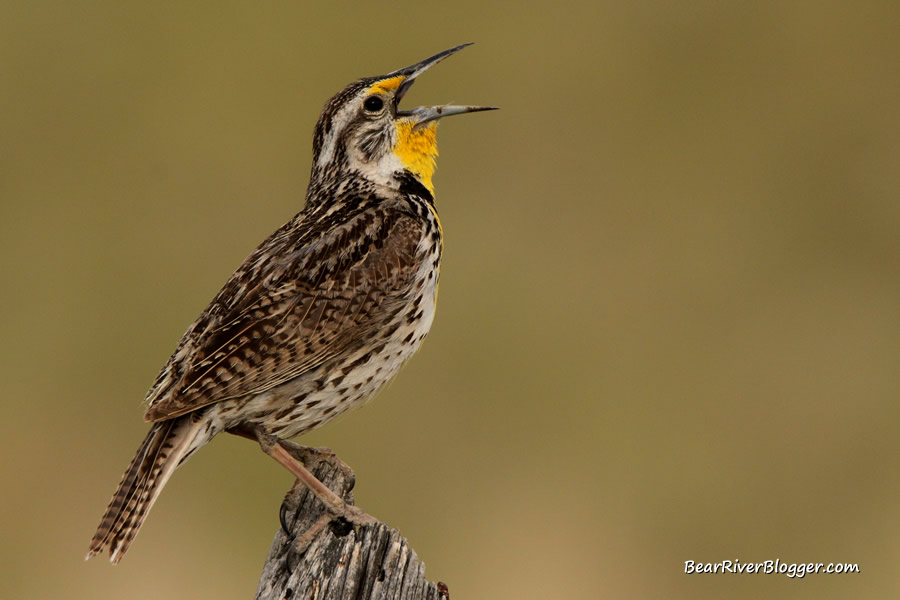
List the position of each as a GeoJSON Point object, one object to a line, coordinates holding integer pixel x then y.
{"type": "Point", "coordinates": [324, 560]}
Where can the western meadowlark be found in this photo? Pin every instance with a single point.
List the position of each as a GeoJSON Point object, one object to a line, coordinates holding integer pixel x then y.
{"type": "Point", "coordinates": [320, 316]}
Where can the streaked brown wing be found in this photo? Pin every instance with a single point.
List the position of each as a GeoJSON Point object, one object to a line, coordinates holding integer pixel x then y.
{"type": "Point", "coordinates": [309, 311]}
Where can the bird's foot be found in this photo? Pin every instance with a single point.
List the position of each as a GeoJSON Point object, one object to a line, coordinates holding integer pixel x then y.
{"type": "Point", "coordinates": [342, 523]}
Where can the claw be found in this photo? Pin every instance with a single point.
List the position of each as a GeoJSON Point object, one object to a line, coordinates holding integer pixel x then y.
{"type": "Point", "coordinates": [282, 518]}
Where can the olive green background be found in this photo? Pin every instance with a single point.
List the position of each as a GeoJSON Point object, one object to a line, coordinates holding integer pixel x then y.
{"type": "Point", "coordinates": [669, 319]}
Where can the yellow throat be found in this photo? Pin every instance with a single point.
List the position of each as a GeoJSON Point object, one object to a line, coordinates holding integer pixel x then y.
{"type": "Point", "coordinates": [417, 148]}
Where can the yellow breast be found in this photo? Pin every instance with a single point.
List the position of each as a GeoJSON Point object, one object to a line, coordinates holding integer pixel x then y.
{"type": "Point", "coordinates": [417, 148]}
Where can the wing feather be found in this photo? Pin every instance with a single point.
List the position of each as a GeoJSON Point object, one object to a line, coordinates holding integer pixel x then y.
{"type": "Point", "coordinates": [289, 310]}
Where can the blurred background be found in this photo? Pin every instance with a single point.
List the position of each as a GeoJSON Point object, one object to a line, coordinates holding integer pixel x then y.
{"type": "Point", "coordinates": [669, 322]}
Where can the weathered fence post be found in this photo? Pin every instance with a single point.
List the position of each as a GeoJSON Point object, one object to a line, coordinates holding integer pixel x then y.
{"type": "Point", "coordinates": [336, 561]}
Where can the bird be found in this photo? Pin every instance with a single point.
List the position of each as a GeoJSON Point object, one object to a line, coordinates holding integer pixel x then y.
{"type": "Point", "coordinates": [319, 316]}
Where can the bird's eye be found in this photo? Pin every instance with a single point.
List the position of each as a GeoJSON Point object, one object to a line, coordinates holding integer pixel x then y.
{"type": "Point", "coordinates": [373, 104]}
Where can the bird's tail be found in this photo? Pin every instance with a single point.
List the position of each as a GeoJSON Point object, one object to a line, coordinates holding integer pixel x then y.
{"type": "Point", "coordinates": [166, 446]}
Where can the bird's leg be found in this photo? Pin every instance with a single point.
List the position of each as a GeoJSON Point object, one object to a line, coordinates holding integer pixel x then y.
{"type": "Point", "coordinates": [306, 454]}
{"type": "Point", "coordinates": [334, 505]}
{"type": "Point", "coordinates": [309, 455]}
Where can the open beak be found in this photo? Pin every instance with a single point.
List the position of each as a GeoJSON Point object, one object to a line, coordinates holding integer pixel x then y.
{"type": "Point", "coordinates": [424, 114]}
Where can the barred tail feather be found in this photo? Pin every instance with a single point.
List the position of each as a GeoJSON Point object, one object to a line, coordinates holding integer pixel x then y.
{"type": "Point", "coordinates": [164, 448]}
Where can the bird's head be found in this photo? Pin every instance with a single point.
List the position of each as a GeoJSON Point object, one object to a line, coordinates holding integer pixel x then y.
{"type": "Point", "coordinates": [363, 130]}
